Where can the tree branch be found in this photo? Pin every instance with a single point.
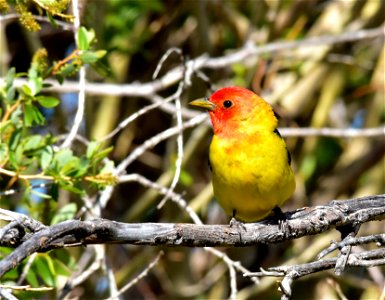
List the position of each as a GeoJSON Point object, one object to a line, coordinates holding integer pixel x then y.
{"type": "Point", "coordinates": [366, 259]}
{"type": "Point", "coordinates": [306, 221]}
{"type": "Point", "coordinates": [249, 50]}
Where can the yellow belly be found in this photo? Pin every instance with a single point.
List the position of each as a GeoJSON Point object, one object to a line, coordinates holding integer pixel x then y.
{"type": "Point", "coordinates": [250, 176]}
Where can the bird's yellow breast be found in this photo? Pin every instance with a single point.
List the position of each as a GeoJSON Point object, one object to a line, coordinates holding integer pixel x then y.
{"type": "Point", "coordinates": [251, 174]}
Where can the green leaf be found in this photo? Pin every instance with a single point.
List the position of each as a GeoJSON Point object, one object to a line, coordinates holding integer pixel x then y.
{"type": "Point", "coordinates": [32, 278]}
{"type": "Point", "coordinates": [48, 101]}
{"type": "Point", "coordinates": [88, 57]}
{"type": "Point", "coordinates": [92, 148]}
{"type": "Point", "coordinates": [62, 268]}
{"type": "Point", "coordinates": [67, 212]}
{"type": "Point", "coordinates": [82, 167]}
{"type": "Point", "coordinates": [11, 94]}
{"type": "Point", "coordinates": [71, 167]}
{"type": "Point", "coordinates": [63, 156]}
{"type": "Point", "coordinates": [28, 115]}
{"type": "Point", "coordinates": [100, 53]}
{"type": "Point", "coordinates": [40, 195]}
{"type": "Point", "coordinates": [46, 157]}
{"type": "Point", "coordinates": [54, 191]}
{"type": "Point", "coordinates": [10, 77]}
{"type": "Point", "coordinates": [85, 38]}
{"type": "Point", "coordinates": [102, 154]}
{"type": "Point", "coordinates": [67, 70]}
{"type": "Point", "coordinates": [26, 90]}
{"type": "Point", "coordinates": [13, 159]}
{"type": "Point", "coordinates": [43, 270]}
{"type": "Point", "coordinates": [35, 84]}
{"type": "Point", "coordinates": [32, 142]}
{"type": "Point", "coordinates": [71, 188]}
{"type": "Point", "coordinates": [59, 78]}
{"type": "Point", "coordinates": [15, 139]}
{"type": "Point", "coordinates": [32, 116]}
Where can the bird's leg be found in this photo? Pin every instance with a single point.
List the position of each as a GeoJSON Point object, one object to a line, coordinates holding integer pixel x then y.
{"type": "Point", "coordinates": [235, 223]}
{"type": "Point", "coordinates": [280, 217]}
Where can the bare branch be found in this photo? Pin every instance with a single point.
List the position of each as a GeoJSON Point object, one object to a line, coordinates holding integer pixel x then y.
{"type": "Point", "coordinates": [179, 119]}
{"type": "Point", "coordinates": [139, 277]}
{"type": "Point", "coordinates": [353, 241]}
{"type": "Point", "coordinates": [156, 139]}
{"type": "Point", "coordinates": [78, 278]}
{"type": "Point", "coordinates": [300, 223]}
{"type": "Point", "coordinates": [6, 294]}
{"type": "Point", "coordinates": [82, 85]}
{"type": "Point", "coordinates": [334, 132]}
{"type": "Point", "coordinates": [250, 49]}
{"type": "Point", "coordinates": [23, 220]}
{"type": "Point", "coordinates": [290, 273]}
{"type": "Point", "coordinates": [175, 75]}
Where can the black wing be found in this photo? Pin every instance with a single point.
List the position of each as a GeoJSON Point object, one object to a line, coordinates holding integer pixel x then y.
{"type": "Point", "coordinates": [287, 151]}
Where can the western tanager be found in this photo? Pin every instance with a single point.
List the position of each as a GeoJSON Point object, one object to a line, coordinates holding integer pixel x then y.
{"type": "Point", "coordinates": [249, 160]}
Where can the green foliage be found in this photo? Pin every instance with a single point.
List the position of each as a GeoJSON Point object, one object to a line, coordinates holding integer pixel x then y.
{"type": "Point", "coordinates": [26, 155]}
{"type": "Point", "coordinates": [84, 55]}
{"type": "Point", "coordinates": [33, 156]}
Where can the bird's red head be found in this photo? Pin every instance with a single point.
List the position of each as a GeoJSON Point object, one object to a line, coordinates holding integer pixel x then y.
{"type": "Point", "coordinates": [234, 110]}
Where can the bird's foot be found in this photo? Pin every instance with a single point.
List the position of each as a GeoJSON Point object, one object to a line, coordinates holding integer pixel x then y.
{"type": "Point", "coordinates": [234, 223]}
{"type": "Point", "coordinates": [238, 224]}
{"type": "Point", "coordinates": [281, 218]}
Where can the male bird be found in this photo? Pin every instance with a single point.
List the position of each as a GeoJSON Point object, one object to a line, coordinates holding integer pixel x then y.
{"type": "Point", "coordinates": [249, 160]}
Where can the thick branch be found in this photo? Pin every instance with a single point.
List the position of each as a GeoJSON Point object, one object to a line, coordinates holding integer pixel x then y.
{"type": "Point", "coordinates": [307, 221]}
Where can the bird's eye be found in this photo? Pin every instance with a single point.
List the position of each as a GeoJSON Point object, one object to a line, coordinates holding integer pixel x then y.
{"type": "Point", "coordinates": [227, 103]}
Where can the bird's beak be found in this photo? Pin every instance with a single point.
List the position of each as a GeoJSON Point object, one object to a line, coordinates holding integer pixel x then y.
{"type": "Point", "coordinates": [204, 103]}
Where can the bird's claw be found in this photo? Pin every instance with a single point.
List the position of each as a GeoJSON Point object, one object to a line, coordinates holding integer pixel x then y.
{"type": "Point", "coordinates": [238, 224]}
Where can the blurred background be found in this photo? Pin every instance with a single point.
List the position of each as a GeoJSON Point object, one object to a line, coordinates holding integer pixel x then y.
{"type": "Point", "coordinates": [338, 85]}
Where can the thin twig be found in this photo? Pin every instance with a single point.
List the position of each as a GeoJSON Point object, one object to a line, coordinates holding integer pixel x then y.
{"type": "Point", "coordinates": [156, 139]}
{"type": "Point", "coordinates": [85, 274]}
{"type": "Point", "coordinates": [26, 288]}
{"type": "Point", "coordinates": [162, 190]}
{"type": "Point", "coordinates": [82, 85]}
{"type": "Point", "coordinates": [6, 294]}
{"type": "Point", "coordinates": [179, 159]}
{"type": "Point", "coordinates": [132, 118]}
{"type": "Point", "coordinates": [14, 16]}
{"type": "Point", "coordinates": [353, 241]}
{"type": "Point", "coordinates": [333, 132]}
{"type": "Point", "coordinates": [113, 289]}
{"type": "Point", "coordinates": [250, 50]}
{"type": "Point", "coordinates": [137, 278]}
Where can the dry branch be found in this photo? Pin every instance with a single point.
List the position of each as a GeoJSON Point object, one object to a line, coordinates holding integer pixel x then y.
{"type": "Point", "coordinates": [303, 222]}
{"type": "Point", "coordinates": [366, 259]}
{"type": "Point", "coordinates": [249, 50]}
